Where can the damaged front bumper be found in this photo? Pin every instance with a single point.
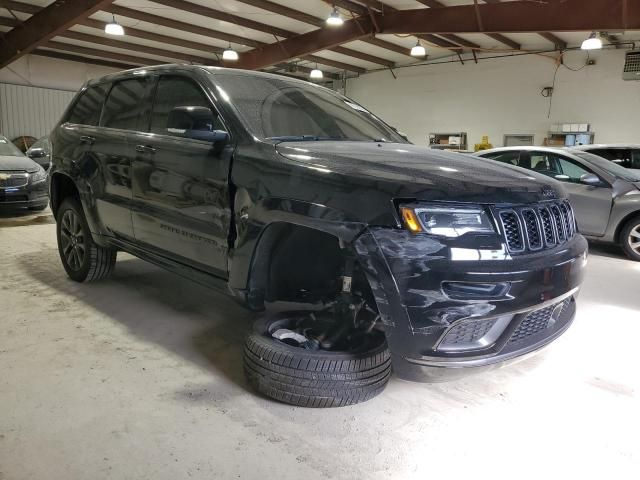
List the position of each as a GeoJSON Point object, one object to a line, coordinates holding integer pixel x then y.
{"type": "Point", "coordinates": [450, 311]}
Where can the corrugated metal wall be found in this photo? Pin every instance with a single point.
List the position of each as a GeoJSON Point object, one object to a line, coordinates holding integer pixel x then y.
{"type": "Point", "coordinates": [30, 110]}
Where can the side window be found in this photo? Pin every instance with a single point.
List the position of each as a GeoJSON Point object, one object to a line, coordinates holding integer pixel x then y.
{"type": "Point", "coordinates": [86, 110]}
{"type": "Point", "coordinates": [572, 170]}
{"type": "Point", "coordinates": [125, 104]}
{"type": "Point", "coordinates": [510, 157]}
{"type": "Point", "coordinates": [635, 158]}
{"type": "Point", "coordinates": [180, 104]}
{"type": "Point", "coordinates": [545, 163]}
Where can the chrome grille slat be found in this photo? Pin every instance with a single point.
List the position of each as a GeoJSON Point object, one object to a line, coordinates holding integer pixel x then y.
{"type": "Point", "coordinates": [13, 179]}
{"type": "Point", "coordinates": [532, 228]}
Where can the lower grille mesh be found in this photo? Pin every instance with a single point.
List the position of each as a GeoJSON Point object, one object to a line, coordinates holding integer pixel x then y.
{"type": "Point", "coordinates": [537, 321]}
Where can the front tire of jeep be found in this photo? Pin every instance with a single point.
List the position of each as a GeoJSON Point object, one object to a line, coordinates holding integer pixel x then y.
{"type": "Point", "coordinates": [299, 372]}
{"type": "Point", "coordinates": [82, 259]}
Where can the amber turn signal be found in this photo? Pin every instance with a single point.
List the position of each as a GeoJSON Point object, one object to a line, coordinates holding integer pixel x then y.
{"type": "Point", "coordinates": [410, 219]}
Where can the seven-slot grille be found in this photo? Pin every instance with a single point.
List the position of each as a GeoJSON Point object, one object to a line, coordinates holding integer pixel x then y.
{"type": "Point", "coordinates": [13, 179]}
{"type": "Point", "coordinates": [532, 228]}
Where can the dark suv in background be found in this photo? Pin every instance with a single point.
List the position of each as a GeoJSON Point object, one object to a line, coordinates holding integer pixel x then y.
{"type": "Point", "coordinates": [276, 190]}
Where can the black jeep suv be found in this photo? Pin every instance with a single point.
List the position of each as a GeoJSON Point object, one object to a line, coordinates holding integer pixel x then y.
{"type": "Point", "coordinates": [282, 193]}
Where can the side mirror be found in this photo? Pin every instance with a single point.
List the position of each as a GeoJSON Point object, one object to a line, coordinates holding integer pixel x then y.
{"type": "Point", "coordinates": [196, 123]}
{"type": "Point", "coordinates": [36, 153]}
{"type": "Point", "coordinates": [590, 179]}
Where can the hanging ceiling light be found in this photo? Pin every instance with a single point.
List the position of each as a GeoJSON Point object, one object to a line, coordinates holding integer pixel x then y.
{"type": "Point", "coordinates": [316, 74]}
{"type": "Point", "coordinates": [230, 54]}
{"type": "Point", "coordinates": [113, 28]}
{"type": "Point", "coordinates": [418, 50]}
{"type": "Point", "coordinates": [334, 19]}
{"type": "Point", "coordinates": [594, 42]}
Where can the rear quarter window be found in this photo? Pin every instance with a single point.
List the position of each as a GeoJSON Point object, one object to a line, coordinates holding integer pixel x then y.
{"type": "Point", "coordinates": [87, 109]}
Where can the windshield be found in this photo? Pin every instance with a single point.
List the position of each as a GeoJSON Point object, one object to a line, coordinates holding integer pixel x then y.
{"type": "Point", "coordinates": [8, 149]}
{"type": "Point", "coordinates": [610, 167]}
{"type": "Point", "coordinates": [285, 110]}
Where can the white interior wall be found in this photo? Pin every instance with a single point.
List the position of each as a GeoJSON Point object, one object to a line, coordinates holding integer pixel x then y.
{"type": "Point", "coordinates": [502, 96]}
{"type": "Point", "coordinates": [51, 73]}
{"type": "Point", "coordinates": [35, 91]}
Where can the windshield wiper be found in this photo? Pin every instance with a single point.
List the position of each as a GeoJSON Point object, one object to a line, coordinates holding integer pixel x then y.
{"type": "Point", "coordinates": [302, 138]}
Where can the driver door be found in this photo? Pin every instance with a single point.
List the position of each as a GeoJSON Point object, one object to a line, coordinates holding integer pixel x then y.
{"type": "Point", "coordinates": [591, 203]}
{"type": "Point", "coordinates": [180, 185]}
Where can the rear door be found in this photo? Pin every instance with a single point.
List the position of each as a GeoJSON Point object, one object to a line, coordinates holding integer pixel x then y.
{"type": "Point", "coordinates": [122, 113]}
{"type": "Point", "coordinates": [592, 203]}
{"type": "Point", "coordinates": [181, 185]}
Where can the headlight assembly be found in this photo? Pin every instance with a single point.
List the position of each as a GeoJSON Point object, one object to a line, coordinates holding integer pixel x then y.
{"type": "Point", "coordinates": [446, 221]}
{"type": "Point", "coordinates": [39, 176]}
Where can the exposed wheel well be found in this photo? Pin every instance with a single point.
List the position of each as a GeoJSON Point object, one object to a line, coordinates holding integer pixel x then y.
{"type": "Point", "coordinates": [301, 264]}
{"type": "Point", "coordinates": [623, 223]}
{"type": "Point", "coordinates": [61, 188]}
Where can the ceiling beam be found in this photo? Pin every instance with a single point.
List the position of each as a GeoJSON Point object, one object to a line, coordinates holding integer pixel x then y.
{"type": "Point", "coordinates": [44, 25]}
{"type": "Point", "coordinates": [559, 43]}
{"type": "Point", "coordinates": [94, 52]}
{"type": "Point", "coordinates": [9, 22]}
{"type": "Point", "coordinates": [517, 17]}
{"type": "Point", "coordinates": [362, 11]}
{"type": "Point", "coordinates": [496, 36]}
{"type": "Point", "coordinates": [261, 27]}
{"type": "Point", "coordinates": [207, 32]}
{"type": "Point", "coordinates": [303, 17]}
{"type": "Point", "coordinates": [136, 47]}
{"type": "Point", "coordinates": [301, 45]}
{"type": "Point", "coordinates": [77, 58]}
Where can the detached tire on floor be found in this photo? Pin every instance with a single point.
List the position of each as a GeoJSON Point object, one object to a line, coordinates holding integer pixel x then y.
{"type": "Point", "coordinates": [315, 378]}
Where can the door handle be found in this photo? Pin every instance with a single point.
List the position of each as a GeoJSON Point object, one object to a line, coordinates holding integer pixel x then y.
{"type": "Point", "coordinates": [145, 149]}
{"type": "Point", "coordinates": [87, 139]}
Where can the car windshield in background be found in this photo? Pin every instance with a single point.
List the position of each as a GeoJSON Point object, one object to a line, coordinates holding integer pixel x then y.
{"type": "Point", "coordinates": [284, 110]}
{"type": "Point", "coordinates": [8, 149]}
{"type": "Point", "coordinates": [609, 166]}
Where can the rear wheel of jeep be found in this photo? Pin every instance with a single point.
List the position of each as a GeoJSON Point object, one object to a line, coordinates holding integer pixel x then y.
{"type": "Point", "coordinates": [630, 239]}
{"type": "Point", "coordinates": [82, 259]}
{"type": "Point", "coordinates": [293, 357]}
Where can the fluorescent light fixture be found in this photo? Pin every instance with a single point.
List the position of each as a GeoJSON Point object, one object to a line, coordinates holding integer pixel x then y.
{"type": "Point", "coordinates": [316, 74]}
{"type": "Point", "coordinates": [594, 42]}
{"type": "Point", "coordinates": [230, 54]}
{"type": "Point", "coordinates": [334, 19]}
{"type": "Point", "coordinates": [418, 50]}
{"type": "Point", "coordinates": [113, 28]}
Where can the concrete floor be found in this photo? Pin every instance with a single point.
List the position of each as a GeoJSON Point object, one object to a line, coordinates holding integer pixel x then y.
{"type": "Point", "coordinates": [140, 377]}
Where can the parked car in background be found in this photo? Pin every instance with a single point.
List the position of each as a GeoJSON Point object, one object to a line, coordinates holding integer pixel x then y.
{"type": "Point", "coordinates": [40, 152]}
{"type": "Point", "coordinates": [278, 190]}
{"type": "Point", "coordinates": [625, 155]}
{"type": "Point", "coordinates": [22, 181]}
{"type": "Point", "coordinates": [604, 195]}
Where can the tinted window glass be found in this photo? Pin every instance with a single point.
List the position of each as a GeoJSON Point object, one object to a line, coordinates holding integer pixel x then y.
{"type": "Point", "coordinates": [181, 104]}
{"type": "Point", "coordinates": [86, 110]}
{"type": "Point", "coordinates": [285, 109]}
{"type": "Point", "coordinates": [635, 158]}
{"type": "Point", "coordinates": [125, 104]}
{"type": "Point", "coordinates": [558, 167]}
{"type": "Point", "coordinates": [608, 166]}
{"type": "Point", "coordinates": [510, 157]}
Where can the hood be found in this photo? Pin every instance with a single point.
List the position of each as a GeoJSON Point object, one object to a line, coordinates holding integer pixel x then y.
{"type": "Point", "coordinates": [410, 171]}
{"type": "Point", "coordinates": [9, 162]}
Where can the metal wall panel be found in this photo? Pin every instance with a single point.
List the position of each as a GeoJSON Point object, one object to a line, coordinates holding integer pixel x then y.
{"type": "Point", "coordinates": [30, 111]}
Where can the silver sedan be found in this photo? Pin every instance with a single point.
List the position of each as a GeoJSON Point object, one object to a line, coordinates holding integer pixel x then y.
{"type": "Point", "coordinates": [604, 195]}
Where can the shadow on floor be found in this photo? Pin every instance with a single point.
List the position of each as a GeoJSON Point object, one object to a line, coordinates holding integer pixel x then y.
{"type": "Point", "coordinates": [200, 325]}
{"type": "Point", "coordinates": [605, 250]}
{"type": "Point", "coordinates": [22, 217]}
